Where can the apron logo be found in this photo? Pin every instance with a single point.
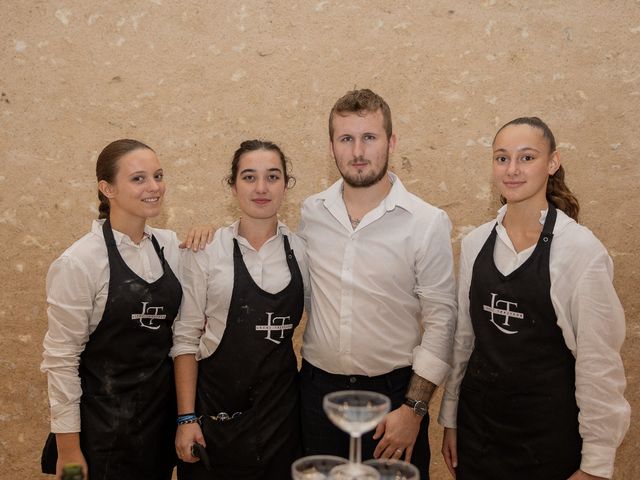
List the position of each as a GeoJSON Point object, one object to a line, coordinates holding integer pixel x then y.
{"type": "Point", "coordinates": [148, 315]}
{"type": "Point", "coordinates": [270, 326]}
{"type": "Point", "coordinates": [506, 312]}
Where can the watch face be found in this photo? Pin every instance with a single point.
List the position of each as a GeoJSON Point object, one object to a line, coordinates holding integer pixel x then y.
{"type": "Point", "coordinates": [420, 408]}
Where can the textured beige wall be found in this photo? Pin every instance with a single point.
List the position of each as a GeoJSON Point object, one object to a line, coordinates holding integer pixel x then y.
{"type": "Point", "coordinates": [193, 78]}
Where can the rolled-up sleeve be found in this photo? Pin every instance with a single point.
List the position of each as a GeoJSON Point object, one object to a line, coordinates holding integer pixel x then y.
{"type": "Point", "coordinates": [435, 287]}
{"type": "Point", "coordinates": [70, 297]}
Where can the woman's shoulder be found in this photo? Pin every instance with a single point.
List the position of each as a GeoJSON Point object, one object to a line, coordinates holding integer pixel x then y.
{"type": "Point", "coordinates": [165, 237]}
{"type": "Point", "coordinates": [89, 245]}
{"type": "Point", "coordinates": [575, 250]}
{"type": "Point", "coordinates": [477, 235]}
{"type": "Point", "coordinates": [297, 243]}
{"type": "Point", "coordinates": [473, 240]}
{"type": "Point", "coordinates": [87, 253]}
{"type": "Point", "coordinates": [574, 237]}
{"type": "Point", "coordinates": [221, 246]}
{"type": "Point", "coordinates": [294, 239]}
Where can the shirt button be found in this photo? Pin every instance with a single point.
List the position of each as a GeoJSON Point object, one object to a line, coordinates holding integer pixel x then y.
{"type": "Point", "coordinates": [353, 379]}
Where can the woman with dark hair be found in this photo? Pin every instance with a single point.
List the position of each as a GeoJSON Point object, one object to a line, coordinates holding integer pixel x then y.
{"type": "Point", "coordinates": [536, 390]}
{"type": "Point", "coordinates": [236, 371]}
{"type": "Point", "coordinates": [113, 296]}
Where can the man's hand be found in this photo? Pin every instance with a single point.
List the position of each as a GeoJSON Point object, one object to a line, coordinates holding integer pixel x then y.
{"type": "Point", "coordinates": [398, 430]}
{"type": "Point", "coordinates": [580, 475]}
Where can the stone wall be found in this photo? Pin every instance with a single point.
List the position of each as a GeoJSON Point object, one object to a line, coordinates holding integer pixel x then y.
{"type": "Point", "coordinates": [194, 78]}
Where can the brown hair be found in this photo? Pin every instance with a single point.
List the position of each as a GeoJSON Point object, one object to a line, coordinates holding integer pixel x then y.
{"type": "Point", "coordinates": [253, 145]}
{"type": "Point", "coordinates": [558, 193]}
{"type": "Point", "coordinates": [359, 101]}
{"type": "Point", "coordinates": [107, 166]}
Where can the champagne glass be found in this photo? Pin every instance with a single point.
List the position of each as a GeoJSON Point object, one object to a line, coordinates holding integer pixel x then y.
{"type": "Point", "coordinates": [390, 469]}
{"type": "Point", "coordinates": [355, 412]}
{"type": "Point", "coordinates": [315, 467]}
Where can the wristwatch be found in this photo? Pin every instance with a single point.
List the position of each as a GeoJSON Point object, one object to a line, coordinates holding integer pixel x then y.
{"type": "Point", "coordinates": [419, 407]}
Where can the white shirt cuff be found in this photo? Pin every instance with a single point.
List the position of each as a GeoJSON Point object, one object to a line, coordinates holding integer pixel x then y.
{"type": "Point", "coordinates": [448, 415]}
{"type": "Point", "coordinates": [597, 460]}
{"type": "Point", "coordinates": [428, 366]}
{"type": "Point", "coordinates": [183, 349]}
{"type": "Point", "coordinates": [65, 418]}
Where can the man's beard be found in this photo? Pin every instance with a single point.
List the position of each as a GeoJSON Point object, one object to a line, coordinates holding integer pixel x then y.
{"type": "Point", "coordinates": [358, 181]}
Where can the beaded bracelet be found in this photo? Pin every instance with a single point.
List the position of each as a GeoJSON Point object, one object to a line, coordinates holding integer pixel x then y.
{"type": "Point", "coordinates": [187, 418]}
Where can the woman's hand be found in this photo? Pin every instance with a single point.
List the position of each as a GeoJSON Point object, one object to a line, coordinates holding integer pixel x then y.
{"type": "Point", "coordinates": [580, 475]}
{"type": "Point", "coordinates": [450, 449]}
{"type": "Point", "coordinates": [186, 436]}
{"type": "Point", "coordinates": [69, 452]}
{"type": "Point", "coordinates": [198, 237]}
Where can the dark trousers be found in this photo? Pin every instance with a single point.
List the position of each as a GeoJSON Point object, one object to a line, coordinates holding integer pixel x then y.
{"type": "Point", "coordinates": [321, 437]}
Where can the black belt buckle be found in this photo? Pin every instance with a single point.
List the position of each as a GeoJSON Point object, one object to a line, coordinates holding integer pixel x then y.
{"type": "Point", "coordinates": [200, 452]}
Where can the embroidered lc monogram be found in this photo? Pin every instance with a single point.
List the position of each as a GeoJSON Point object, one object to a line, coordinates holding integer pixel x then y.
{"type": "Point", "coordinates": [148, 315]}
{"type": "Point", "coordinates": [270, 326]}
{"type": "Point", "coordinates": [502, 307]}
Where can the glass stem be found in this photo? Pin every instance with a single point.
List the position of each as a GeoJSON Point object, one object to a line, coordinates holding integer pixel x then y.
{"type": "Point", "coordinates": [355, 453]}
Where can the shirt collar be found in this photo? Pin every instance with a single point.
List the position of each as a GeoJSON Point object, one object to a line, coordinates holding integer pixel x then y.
{"type": "Point", "coordinates": [504, 236]}
{"type": "Point", "coordinates": [398, 196]}
{"type": "Point", "coordinates": [120, 237]}
{"type": "Point", "coordinates": [503, 211]}
{"type": "Point", "coordinates": [281, 229]}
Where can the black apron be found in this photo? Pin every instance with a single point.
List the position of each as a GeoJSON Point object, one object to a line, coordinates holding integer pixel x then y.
{"type": "Point", "coordinates": [517, 413]}
{"type": "Point", "coordinates": [128, 409]}
{"type": "Point", "coordinates": [252, 374]}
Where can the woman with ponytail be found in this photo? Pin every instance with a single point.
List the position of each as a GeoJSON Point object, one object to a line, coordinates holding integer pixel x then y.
{"type": "Point", "coordinates": [113, 296]}
{"type": "Point", "coordinates": [536, 390]}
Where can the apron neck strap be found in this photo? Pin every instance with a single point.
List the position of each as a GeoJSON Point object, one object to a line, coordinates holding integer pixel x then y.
{"type": "Point", "coordinates": [550, 221]}
{"type": "Point", "coordinates": [108, 233]}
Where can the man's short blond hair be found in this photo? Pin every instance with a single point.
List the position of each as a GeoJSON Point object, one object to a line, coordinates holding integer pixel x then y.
{"type": "Point", "coordinates": [361, 101]}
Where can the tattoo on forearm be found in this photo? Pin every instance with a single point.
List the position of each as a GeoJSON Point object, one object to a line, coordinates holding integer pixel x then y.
{"type": "Point", "coordinates": [420, 389]}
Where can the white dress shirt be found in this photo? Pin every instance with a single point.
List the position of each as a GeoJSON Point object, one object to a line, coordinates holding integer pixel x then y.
{"type": "Point", "coordinates": [207, 285]}
{"type": "Point", "coordinates": [382, 295]}
{"type": "Point", "coordinates": [592, 323]}
{"type": "Point", "coordinates": [77, 289]}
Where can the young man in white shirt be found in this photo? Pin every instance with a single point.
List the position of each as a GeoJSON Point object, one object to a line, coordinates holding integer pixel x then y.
{"type": "Point", "coordinates": [383, 305]}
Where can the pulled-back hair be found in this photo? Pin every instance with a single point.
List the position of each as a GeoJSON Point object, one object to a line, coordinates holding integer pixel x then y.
{"type": "Point", "coordinates": [253, 145]}
{"type": "Point", "coordinates": [361, 101]}
{"type": "Point", "coordinates": [558, 193]}
{"type": "Point", "coordinates": [107, 166]}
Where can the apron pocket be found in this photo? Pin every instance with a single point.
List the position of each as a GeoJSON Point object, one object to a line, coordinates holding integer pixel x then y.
{"type": "Point", "coordinates": [231, 442]}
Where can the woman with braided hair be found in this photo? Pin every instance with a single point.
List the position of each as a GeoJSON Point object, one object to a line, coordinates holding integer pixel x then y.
{"type": "Point", "coordinates": [113, 297]}
{"type": "Point", "coordinates": [536, 390]}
